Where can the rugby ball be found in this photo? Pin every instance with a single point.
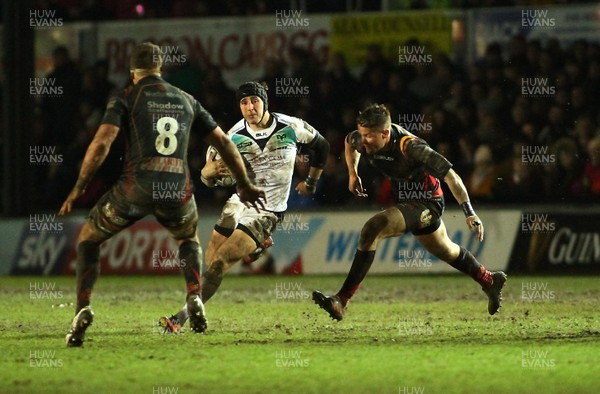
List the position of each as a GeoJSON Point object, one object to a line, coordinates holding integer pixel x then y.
{"type": "Point", "coordinates": [224, 181]}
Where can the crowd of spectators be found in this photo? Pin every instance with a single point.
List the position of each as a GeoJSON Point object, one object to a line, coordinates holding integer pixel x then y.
{"type": "Point", "coordinates": [520, 125]}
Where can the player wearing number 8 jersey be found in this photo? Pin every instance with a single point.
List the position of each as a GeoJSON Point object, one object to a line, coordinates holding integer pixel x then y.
{"type": "Point", "coordinates": [156, 119]}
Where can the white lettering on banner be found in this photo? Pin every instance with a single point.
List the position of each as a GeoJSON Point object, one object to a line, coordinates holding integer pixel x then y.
{"type": "Point", "coordinates": [569, 247]}
{"type": "Point", "coordinates": [329, 247]}
{"type": "Point", "coordinates": [41, 251]}
{"type": "Point", "coordinates": [132, 250]}
{"type": "Point", "coordinates": [338, 245]}
{"type": "Point", "coordinates": [341, 246]}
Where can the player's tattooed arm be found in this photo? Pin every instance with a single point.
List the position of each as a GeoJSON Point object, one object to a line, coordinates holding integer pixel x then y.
{"type": "Point", "coordinates": [352, 156]}
{"type": "Point", "coordinates": [459, 191]}
{"type": "Point", "coordinates": [94, 157]}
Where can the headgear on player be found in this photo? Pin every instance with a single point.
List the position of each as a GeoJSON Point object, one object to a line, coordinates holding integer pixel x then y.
{"type": "Point", "coordinates": [254, 89]}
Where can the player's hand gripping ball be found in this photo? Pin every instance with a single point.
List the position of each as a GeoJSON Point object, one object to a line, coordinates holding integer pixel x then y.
{"type": "Point", "coordinates": [223, 180]}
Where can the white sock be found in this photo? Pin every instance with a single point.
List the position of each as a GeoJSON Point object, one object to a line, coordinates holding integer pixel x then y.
{"type": "Point", "coordinates": [182, 315]}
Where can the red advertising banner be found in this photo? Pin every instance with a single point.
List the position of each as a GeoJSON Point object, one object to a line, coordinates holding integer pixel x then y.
{"type": "Point", "coordinates": [144, 248]}
{"type": "Point", "coordinates": [238, 46]}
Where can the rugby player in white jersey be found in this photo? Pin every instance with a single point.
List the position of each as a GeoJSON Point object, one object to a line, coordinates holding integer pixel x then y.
{"type": "Point", "coordinates": [268, 142]}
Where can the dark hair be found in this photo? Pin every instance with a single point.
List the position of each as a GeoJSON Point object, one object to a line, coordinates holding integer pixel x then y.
{"type": "Point", "coordinates": [374, 115]}
{"type": "Point", "coordinates": [253, 89]}
{"type": "Point", "coordinates": [146, 56]}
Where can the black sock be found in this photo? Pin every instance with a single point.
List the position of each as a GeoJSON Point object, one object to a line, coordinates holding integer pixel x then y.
{"type": "Point", "coordinates": [210, 283]}
{"type": "Point", "coordinates": [360, 266]}
{"type": "Point", "coordinates": [467, 263]}
{"type": "Point", "coordinates": [87, 270]}
{"type": "Point", "coordinates": [190, 255]}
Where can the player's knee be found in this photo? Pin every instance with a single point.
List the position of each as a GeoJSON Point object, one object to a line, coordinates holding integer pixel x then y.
{"type": "Point", "coordinates": [185, 232]}
{"type": "Point", "coordinates": [371, 230]}
{"type": "Point", "coordinates": [446, 253]}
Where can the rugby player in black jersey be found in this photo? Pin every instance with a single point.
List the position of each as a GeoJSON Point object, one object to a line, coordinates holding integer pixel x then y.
{"type": "Point", "coordinates": [411, 165]}
{"type": "Point", "coordinates": [156, 119]}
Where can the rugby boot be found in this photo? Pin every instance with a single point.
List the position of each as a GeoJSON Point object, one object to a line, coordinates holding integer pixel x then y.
{"type": "Point", "coordinates": [82, 320]}
{"type": "Point", "coordinates": [332, 304]}
{"type": "Point", "coordinates": [197, 314]}
{"type": "Point", "coordinates": [494, 291]}
{"type": "Point", "coordinates": [170, 325]}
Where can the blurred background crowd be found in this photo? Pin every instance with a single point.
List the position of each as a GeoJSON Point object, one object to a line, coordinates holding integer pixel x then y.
{"type": "Point", "coordinates": [508, 144]}
{"type": "Point", "coordinates": [99, 10]}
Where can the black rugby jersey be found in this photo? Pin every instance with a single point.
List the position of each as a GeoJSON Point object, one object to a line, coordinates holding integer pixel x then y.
{"type": "Point", "coordinates": [156, 119]}
{"type": "Point", "coordinates": [409, 163]}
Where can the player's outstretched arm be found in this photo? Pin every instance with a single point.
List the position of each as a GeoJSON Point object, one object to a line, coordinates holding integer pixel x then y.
{"type": "Point", "coordinates": [352, 158]}
{"type": "Point", "coordinates": [459, 191]}
{"type": "Point", "coordinates": [249, 194]}
{"type": "Point", "coordinates": [94, 157]}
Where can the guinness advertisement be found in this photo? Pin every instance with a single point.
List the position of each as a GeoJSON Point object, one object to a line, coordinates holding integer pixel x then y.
{"type": "Point", "coordinates": [557, 243]}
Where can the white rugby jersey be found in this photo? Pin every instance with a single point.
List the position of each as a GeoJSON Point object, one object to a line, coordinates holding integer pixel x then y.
{"type": "Point", "coordinates": [271, 154]}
